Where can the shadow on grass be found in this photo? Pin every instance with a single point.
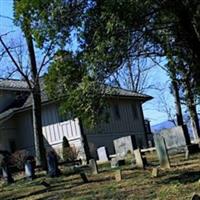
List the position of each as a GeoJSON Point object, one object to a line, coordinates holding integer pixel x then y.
{"type": "Point", "coordinates": [184, 178]}
{"type": "Point", "coordinates": [51, 189]}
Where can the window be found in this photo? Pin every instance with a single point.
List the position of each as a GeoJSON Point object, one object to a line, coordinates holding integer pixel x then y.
{"type": "Point", "coordinates": [134, 110]}
{"type": "Point", "coordinates": [116, 112]}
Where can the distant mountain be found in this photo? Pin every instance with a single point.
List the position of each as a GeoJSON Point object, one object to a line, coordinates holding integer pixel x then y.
{"type": "Point", "coordinates": [163, 125]}
{"type": "Point", "coordinates": [168, 124]}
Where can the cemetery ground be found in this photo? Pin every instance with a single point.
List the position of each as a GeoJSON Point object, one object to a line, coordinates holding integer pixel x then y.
{"type": "Point", "coordinates": [179, 182]}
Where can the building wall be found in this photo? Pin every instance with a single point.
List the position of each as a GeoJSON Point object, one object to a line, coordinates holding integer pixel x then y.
{"type": "Point", "coordinates": [53, 130]}
{"type": "Point", "coordinates": [6, 98]}
{"type": "Point", "coordinates": [7, 135]}
{"type": "Point", "coordinates": [129, 122]}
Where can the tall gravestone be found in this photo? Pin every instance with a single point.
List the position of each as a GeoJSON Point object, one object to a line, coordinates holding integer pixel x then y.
{"type": "Point", "coordinates": [124, 145]}
{"type": "Point", "coordinates": [138, 158]}
{"type": "Point", "coordinates": [162, 151]}
{"type": "Point", "coordinates": [52, 163]}
{"type": "Point", "coordinates": [102, 154]}
{"type": "Point", "coordinates": [93, 166]}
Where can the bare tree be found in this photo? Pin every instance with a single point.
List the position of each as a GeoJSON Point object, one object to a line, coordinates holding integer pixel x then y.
{"type": "Point", "coordinates": [134, 75]}
{"type": "Point", "coordinates": [30, 72]}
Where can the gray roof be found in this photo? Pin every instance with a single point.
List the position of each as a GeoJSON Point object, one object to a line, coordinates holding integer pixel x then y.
{"type": "Point", "coordinates": [13, 84]}
{"type": "Point", "coordinates": [17, 85]}
{"type": "Point", "coordinates": [114, 91]}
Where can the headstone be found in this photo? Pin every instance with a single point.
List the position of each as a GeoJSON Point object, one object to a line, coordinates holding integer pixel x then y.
{"type": "Point", "coordinates": [154, 172]}
{"type": "Point", "coordinates": [162, 151]}
{"type": "Point", "coordinates": [93, 166]}
{"type": "Point", "coordinates": [5, 167]}
{"type": "Point", "coordinates": [117, 162]}
{"type": "Point", "coordinates": [30, 167]}
{"type": "Point", "coordinates": [124, 145]}
{"type": "Point", "coordinates": [114, 163]}
{"type": "Point", "coordinates": [175, 139]}
{"type": "Point", "coordinates": [118, 175]}
{"type": "Point", "coordinates": [138, 158]}
{"type": "Point", "coordinates": [7, 176]}
{"type": "Point", "coordinates": [102, 154]}
{"type": "Point", "coordinates": [52, 163]}
{"type": "Point", "coordinates": [84, 177]}
{"type": "Point", "coordinates": [187, 154]}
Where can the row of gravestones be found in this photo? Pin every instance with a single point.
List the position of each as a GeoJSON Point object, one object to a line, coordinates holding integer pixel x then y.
{"type": "Point", "coordinates": [172, 140]}
{"type": "Point", "coordinates": [119, 160]}
{"type": "Point", "coordinates": [122, 146]}
{"type": "Point", "coordinates": [29, 166]}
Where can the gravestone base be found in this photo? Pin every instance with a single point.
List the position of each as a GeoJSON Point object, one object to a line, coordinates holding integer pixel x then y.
{"type": "Point", "coordinates": [118, 175]}
{"type": "Point", "coordinates": [117, 162]}
{"type": "Point", "coordinates": [154, 173]}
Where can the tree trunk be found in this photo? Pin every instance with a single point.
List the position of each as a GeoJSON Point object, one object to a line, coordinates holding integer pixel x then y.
{"type": "Point", "coordinates": [179, 115]}
{"type": "Point", "coordinates": [36, 106]}
{"type": "Point", "coordinates": [192, 110]}
{"type": "Point", "coordinates": [85, 142]}
{"type": "Point", "coordinates": [194, 120]}
{"type": "Point", "coordinates": [37, 128]}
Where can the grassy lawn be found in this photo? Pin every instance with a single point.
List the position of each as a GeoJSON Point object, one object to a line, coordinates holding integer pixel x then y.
{"type": "Point", "coordinates": [180, 182]}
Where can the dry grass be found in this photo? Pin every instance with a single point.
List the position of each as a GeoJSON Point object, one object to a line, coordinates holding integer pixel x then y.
{"type": "Point", "coordinates": [178, 183]}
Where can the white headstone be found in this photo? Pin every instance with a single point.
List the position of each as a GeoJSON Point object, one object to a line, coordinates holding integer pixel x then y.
{"type": "Point", "coordinates": [124, 145]}
{"type": "Point", "coordinates": [102, 154]}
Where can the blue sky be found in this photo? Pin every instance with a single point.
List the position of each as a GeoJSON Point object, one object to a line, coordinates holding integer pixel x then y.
{"type": "Point", "coordinates": [157, 76]}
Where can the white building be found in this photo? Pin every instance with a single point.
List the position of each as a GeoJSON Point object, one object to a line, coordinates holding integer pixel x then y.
{"type": "Point", "coordinates": [16, 130]}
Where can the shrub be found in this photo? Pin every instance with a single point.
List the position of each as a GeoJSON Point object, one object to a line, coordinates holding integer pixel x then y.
{"type": "Point", "coordinates": [18, 158]}
{"type": "Point", "coordinates": [72, 153]}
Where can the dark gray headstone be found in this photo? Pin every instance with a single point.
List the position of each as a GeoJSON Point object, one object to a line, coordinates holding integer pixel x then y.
{"type": "Point", "coordinates": [84, 177]}
{"type": "Point", "coordinates": [5, 167]}
{"type": "Point", "coordinates": [7, 176]}
{"type": "Point", "coordinates": [52, 163]}
{"type": "Point", "coordinates": [162, 151]}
